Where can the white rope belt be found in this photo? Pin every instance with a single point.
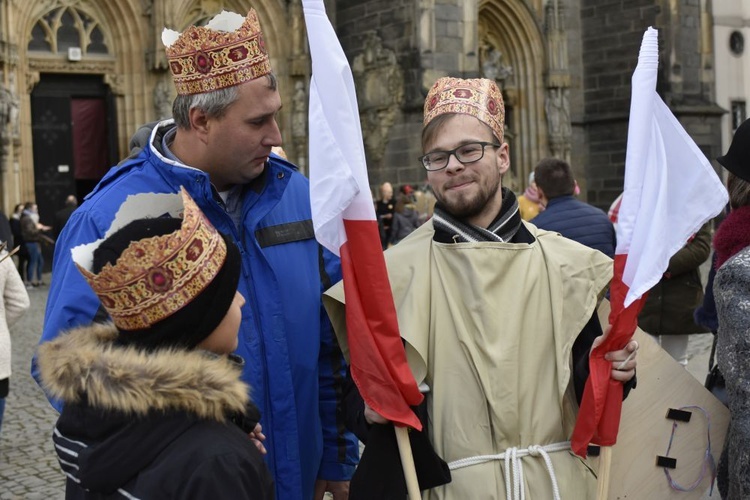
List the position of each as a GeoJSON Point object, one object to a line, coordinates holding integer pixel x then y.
{"type": "Point", "coordinates": [514, 486]}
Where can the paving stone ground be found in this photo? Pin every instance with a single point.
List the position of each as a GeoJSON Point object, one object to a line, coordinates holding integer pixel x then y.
{"type": "Point", "coordinates": [28, 467]}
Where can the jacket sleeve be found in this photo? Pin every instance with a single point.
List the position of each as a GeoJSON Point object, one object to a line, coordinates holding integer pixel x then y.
{"type": "Point", "coordinates": [340, 447]}
{"type": "Point", "coordinates": [70, 301]}
{"type": "Point", "coordinates": [693, 254]}
{"type": "Point", "coordinates": [15, 297]}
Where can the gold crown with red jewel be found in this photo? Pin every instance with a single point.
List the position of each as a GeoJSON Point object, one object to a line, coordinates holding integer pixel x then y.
{"type": "Point", "coordinates": [477, 97]}
{"type": "Point", "coordinates": [155, 277]}
{"type": "Point", "coordinates": [203, 59]}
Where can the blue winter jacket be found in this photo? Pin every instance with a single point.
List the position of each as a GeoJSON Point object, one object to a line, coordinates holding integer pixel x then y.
{"type": "Point", "coordinates": [580, 222]}
{"type": "Point", "coordinates": [294, 368]}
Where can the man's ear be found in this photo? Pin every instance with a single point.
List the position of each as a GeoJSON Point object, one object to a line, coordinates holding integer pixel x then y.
{"type": "Point", "coordinates": [199, 122]}
{"type": "Point", "coordinates": [503, 158]}
{"type": "Point", "coordinates": [542, 197]}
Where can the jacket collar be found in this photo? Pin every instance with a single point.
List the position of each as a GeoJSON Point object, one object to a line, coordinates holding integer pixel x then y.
{"type": "Point", "coordinates": [87, 362]}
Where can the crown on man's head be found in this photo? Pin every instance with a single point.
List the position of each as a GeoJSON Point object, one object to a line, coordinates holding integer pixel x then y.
{"type": "Point", "coordinates": [477, 97]}
{"type": "Point", "coordinates": [226, 52]}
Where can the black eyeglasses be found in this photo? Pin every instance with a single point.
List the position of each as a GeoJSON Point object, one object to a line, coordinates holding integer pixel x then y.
{"type": "Point", "coordinates": [466, 153]}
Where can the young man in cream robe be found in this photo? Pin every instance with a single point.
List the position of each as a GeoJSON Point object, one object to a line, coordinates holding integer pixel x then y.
{"type": "Point", "coordinates": [498, 317]}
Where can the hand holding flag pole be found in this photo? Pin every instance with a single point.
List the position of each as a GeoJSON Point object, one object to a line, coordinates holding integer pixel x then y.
{"type": "Point", "coordinates": [671, 190]}
{"type": "Point", "coordinates": [344, 222]}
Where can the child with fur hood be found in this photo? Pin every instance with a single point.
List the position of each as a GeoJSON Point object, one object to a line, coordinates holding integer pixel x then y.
{"type": "Point", "coordinates": [153, 402]}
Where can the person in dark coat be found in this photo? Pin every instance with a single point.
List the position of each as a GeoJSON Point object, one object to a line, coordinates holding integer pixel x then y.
{"type": "Point", "coordinates": [62, 215]}
{"type": "Point", "coordinates": [6, 234]}
{"type": "Point", "coordinates": [405, 219]}
{"type": "Point", "coordinates": [154, 404]}
{"type": "Point", "coordinates": [565, 214]}
{"type": "Point", "coordinates": [668, 311]}
{"type": "Point", "coordinates": [15, 229]}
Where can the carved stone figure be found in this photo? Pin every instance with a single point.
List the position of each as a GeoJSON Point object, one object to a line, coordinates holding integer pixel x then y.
{"type": "Point", "coordinates": [379, 83]}
{"type": "Point", "coordinates": [162, 100]}
{"type": "Point", "coordinates": [299, 110]}
{"type": "Point", "coordinates": [9, 109]}
{"type": "Point", "coordinates": [491, 61]}
{"type": "Point", "coordinates": [557, 108]}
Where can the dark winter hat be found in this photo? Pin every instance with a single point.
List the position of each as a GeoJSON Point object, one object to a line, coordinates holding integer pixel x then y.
{"type": "Point", "coordinates": [737, 159]}
{"type": "Point", "coordinates": [165, 281]}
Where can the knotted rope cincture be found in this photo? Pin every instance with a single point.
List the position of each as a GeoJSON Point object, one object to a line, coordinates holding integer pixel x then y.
{"type": "Point", "coordinates": [514, 489]}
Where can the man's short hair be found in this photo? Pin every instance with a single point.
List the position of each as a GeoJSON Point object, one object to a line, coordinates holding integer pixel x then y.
{"type": "Point", "coordinates": [554, 177]}
{"type": "Point", "coordinates": [214, 103]}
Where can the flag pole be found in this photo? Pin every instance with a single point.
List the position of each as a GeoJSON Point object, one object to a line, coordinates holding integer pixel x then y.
{"type": "Point", "coordinates": [407, 462]}
{"type": "Point", "coordinates": [605, 465]}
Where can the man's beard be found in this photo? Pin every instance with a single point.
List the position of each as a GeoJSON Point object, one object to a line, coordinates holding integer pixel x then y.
{"type": "Point", "coordinates": [462, 207]}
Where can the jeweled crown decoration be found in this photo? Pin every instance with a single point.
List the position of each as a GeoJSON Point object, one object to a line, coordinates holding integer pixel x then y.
{"type": "Point", "coordinates": [203, 59]}
{"type": "Point", "coordinates": [156, 277]}
{"type": "Point", "coordinates": [478, 97]}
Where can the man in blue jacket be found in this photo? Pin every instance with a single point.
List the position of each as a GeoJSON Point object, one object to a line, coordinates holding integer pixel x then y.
{"type": "Point", "coordinates": [219, 148]}
{"type": "Point", "coordinates": [565, 214]}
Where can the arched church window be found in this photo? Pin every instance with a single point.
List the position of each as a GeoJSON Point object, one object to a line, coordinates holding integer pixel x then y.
{"type": "Point", "coordinates": [64, 27]}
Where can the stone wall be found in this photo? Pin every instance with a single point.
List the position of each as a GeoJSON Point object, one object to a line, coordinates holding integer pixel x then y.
{"type": "Point", "coordinates": [611, 37]}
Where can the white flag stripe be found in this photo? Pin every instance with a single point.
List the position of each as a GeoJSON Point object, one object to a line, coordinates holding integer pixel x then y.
{"type": "Point", "coordinates": [338, 170]}
{"type": "Point", "coordinates": [671, 190]}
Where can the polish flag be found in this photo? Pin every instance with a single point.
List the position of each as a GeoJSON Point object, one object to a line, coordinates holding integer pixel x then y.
{"type": "Point", "coordinates": [344, 221]}
{"type": "Point", "coordinates": [671, 190]}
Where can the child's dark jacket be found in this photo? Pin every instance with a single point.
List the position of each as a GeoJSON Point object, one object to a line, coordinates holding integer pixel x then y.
{"type": "Point", "coordinates": [149, 425]}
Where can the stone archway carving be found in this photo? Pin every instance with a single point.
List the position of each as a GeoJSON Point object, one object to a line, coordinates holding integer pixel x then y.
{"type": "Point", "coordinates": [512, 30]}
{"type": "Point", "coordinates": [379, 83]}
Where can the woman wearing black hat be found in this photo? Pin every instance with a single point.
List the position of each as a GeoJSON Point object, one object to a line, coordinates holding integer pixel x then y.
{"type": "Point", "coordinates": [150, 401]}
{"type": "Point", "coordinates": [732, 293]}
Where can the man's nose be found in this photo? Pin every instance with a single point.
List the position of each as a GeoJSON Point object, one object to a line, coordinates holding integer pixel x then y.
{"type": "Point", "coordinates": [453, 164]}
{"type": "Point", "coordinates": [273, 135]}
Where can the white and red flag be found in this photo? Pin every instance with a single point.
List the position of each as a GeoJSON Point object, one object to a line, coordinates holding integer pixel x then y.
{"type": "Point", "coordinates": [671, 190]}
{"type": "Point", "coordinates": [344, 221]}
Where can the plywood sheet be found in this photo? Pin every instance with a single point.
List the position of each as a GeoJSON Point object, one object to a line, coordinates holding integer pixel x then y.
{"type": "Point", "coordinates": [644, 431]}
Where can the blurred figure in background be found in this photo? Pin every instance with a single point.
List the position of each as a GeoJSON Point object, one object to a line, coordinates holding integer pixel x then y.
{"type": "Point", "coordinates": [528, 202]}
{"type": "Point", "coordinates": [384, 208]}
{"type": "Point", "coordinates": [668, 311]}
{"type": "Point", "coordinates": [565, 214]}
{"type": "Point", "coordinates": [62, 215]}
{"type": "Point", "coordinates": [405, 219]}
{"type": "Point", "coordinates": [6, 234]}
{"type": "Point", "coordinates": [15, 228]}
{"type": "Point", "coordinates": [31, 230]}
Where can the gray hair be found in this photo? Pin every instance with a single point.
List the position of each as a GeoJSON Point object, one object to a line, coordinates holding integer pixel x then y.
{"type": "Point", "coordinates": [214, 103]}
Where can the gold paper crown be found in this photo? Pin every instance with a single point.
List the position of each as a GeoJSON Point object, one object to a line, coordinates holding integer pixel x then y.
{"type": "Point", "coordinates": [204, 60]}
{"type": "Point", "coordinates": [155, 277]}
{"type": "Point", "coordinates": [478, 97]}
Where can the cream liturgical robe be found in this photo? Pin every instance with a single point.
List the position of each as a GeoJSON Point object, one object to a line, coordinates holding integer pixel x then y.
{"type": "Point", "coordinates": [490, 328]}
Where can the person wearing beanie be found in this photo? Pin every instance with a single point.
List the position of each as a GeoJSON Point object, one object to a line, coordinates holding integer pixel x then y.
{"type": "Point", "coordinates": [498, 318]}
{"type": "Point", "coordinates": [220, 146]}
{"type": "Point", "coordinates": [529, 203]}
{"type": "Point", "coordinates": [153, 401]}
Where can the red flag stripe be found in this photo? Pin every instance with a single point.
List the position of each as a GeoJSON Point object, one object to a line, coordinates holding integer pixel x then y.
{"type": "Point", "coordinates": [378, 360]}
{"type": "Point", "coordinates": [601, 406]}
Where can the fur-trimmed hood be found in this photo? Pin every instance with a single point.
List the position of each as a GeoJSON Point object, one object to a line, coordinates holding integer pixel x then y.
{"type": "Point", "coordinates": [87, 362]}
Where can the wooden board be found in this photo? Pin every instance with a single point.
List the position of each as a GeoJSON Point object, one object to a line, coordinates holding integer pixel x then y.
{"type": "Point", "coordinates": [644, 431]}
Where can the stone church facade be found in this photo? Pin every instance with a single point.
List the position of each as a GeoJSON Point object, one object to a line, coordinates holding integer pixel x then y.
{"type": "Point", "coordinates": [80, 76]}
